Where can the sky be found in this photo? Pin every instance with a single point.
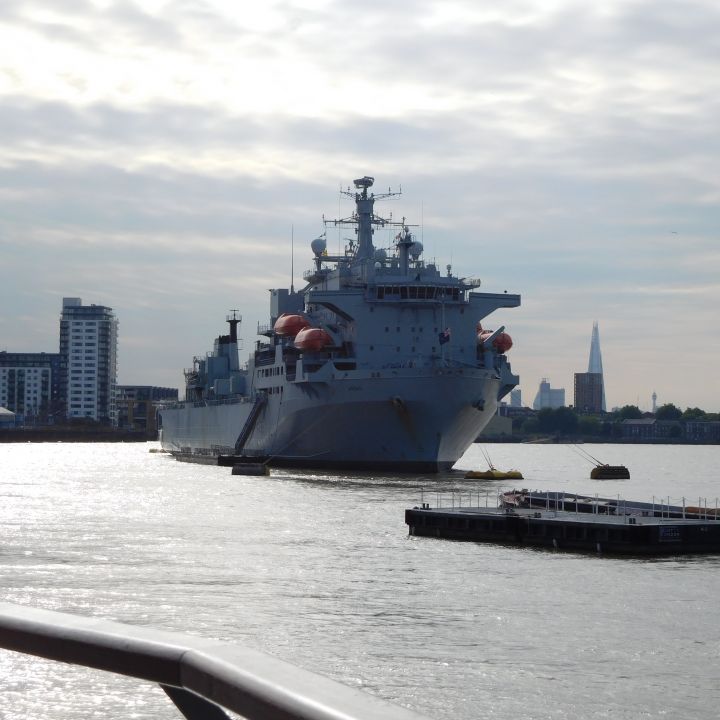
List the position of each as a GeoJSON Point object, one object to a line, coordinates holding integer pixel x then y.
{"type": "Point", "coordinates": [158, 156]}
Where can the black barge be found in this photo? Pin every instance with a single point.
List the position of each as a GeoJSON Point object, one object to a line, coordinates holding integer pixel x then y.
{"type": "Point", "coordinates": [625, 529]}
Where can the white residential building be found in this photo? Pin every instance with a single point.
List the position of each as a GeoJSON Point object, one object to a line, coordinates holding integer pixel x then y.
{"type": "Point", "coordinates": [88, 352]}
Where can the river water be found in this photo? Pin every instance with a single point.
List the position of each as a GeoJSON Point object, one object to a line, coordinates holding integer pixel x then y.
{"type": "Point", "coordinates": [318, 569]}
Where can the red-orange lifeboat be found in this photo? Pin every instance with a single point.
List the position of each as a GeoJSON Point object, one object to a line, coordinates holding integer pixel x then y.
{"type": "Point", "coordinates": [502, 343]}
{"type": "Point", "coordinates": [290, 325]}
{"type": "Point", "coordinates": [312, 339]}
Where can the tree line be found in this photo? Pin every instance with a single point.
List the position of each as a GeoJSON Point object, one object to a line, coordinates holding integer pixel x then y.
{"type": "Point", "coordinates": [664, 412]}
{"type": "Point", "coordinates": [566, 421]}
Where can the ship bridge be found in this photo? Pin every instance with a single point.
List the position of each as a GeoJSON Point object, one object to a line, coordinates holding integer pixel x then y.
{"type": "Point", "coordinates": [416, 292]}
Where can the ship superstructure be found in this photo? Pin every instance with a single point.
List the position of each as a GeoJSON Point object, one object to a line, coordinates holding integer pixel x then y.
{"type": "Point", "coordinates": [380, 361]}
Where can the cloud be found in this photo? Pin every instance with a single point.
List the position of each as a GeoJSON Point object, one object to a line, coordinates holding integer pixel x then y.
{"type": "Point", "coordinates": [155, 157]}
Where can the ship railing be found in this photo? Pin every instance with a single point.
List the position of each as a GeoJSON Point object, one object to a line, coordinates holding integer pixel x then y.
{"type": "Point", "coordinates": [229, 400]}
{"type": "Point", "coordinates": [314, 275]}
{"type": "Point", "coordinates": [233, 400]}
{"type": "Point", "coordinates": [460, 498]}
{"type": "Point", "coordinates": [200, 676]}
{"type": "Point", "coordinates": [178, 405]}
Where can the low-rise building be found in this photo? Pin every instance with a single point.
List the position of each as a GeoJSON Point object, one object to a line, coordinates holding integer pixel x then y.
{"type": "Point", "coordinates": [30, 385]}
{"type": "Point", "coordinates": [651, 429]}
{"type": "Point", "coordinates": [499, 426]}
{"type": "Point", "coordinates": [137, 405]}
{"type": "Point", "coordinates": [700, 431]}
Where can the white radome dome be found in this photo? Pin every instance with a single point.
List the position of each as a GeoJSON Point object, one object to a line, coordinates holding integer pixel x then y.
{"type": "Point", "coordinates": [318, 246]}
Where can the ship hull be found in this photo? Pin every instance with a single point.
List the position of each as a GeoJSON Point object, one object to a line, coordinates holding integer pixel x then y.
{"type": "Point", "coordinates": [408, 421]}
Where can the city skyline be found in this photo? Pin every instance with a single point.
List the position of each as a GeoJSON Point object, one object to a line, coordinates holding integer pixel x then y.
{"type": "Point", "coordinates": [560, 151]}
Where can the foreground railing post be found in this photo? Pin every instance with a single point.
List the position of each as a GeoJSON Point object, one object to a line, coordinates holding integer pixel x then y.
{"type": "Point", "coordinates": [192, 706]}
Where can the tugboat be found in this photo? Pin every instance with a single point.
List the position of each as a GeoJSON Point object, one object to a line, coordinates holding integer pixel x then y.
{"type": "Point", "coordinates": [377, 363]}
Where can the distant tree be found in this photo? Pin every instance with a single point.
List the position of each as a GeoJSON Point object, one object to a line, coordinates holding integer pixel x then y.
{"type": "Point", "coordinates": [566, 420]}
{"type": "Point", "coordinates": [589, 425]}
{"type": "Point", "coordinates": [546, 420]}
{"type": "Point", "coordinates": [668, 412]}
{"type": "Point", "coordinates": [694, 414]}
{"type": "Point", "coordinates": [630, 412]}
{"type": "Point", "coordinates": [531, 426]}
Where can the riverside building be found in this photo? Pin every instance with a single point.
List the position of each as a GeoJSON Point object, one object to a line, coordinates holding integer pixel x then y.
{"type": "Point", "coordinates": [137, 405]}
{"type": "Point", "coordinates": [548, 397]}
{"type": "Point", "coordinates": [88, 366]}
{"type": "Point", "coordinates": [30, 384]}
{"type": "Point", "coordinates": [589, 392]}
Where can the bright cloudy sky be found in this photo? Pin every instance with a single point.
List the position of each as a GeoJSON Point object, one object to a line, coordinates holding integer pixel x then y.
{"type": "Point", "coordinates": [156, 154]}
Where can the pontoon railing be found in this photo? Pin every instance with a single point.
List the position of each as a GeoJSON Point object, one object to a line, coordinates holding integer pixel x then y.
{"type": "Point", "coordinates": [200, 676]}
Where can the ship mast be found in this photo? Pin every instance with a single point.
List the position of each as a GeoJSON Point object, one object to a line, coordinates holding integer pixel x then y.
{"type": "Point", "coordinates": [364, 205]}
{"type": "Point", "coordinates": [364, 217]}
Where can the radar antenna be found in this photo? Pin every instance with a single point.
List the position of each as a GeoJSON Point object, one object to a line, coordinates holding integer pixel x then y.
{"type": "Point", "coordinates": [364, 183]}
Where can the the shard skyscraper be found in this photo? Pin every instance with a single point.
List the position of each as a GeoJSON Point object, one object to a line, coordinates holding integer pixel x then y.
{"type": "Point", "coordinates": [595, 363]}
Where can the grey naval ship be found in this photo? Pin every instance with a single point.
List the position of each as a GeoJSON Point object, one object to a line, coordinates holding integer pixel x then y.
{"type": "Point", "coordinates": [379, 362]}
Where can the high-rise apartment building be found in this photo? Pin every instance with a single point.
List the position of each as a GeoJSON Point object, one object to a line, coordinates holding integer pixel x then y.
{"type": "Point", "coordinates": [88, 360]}
{"type": "Point", "coordinates": [589, 392]}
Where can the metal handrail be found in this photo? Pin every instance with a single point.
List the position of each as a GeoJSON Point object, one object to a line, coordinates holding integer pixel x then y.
{"type": "Point", "coordinates": [196, 673]}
